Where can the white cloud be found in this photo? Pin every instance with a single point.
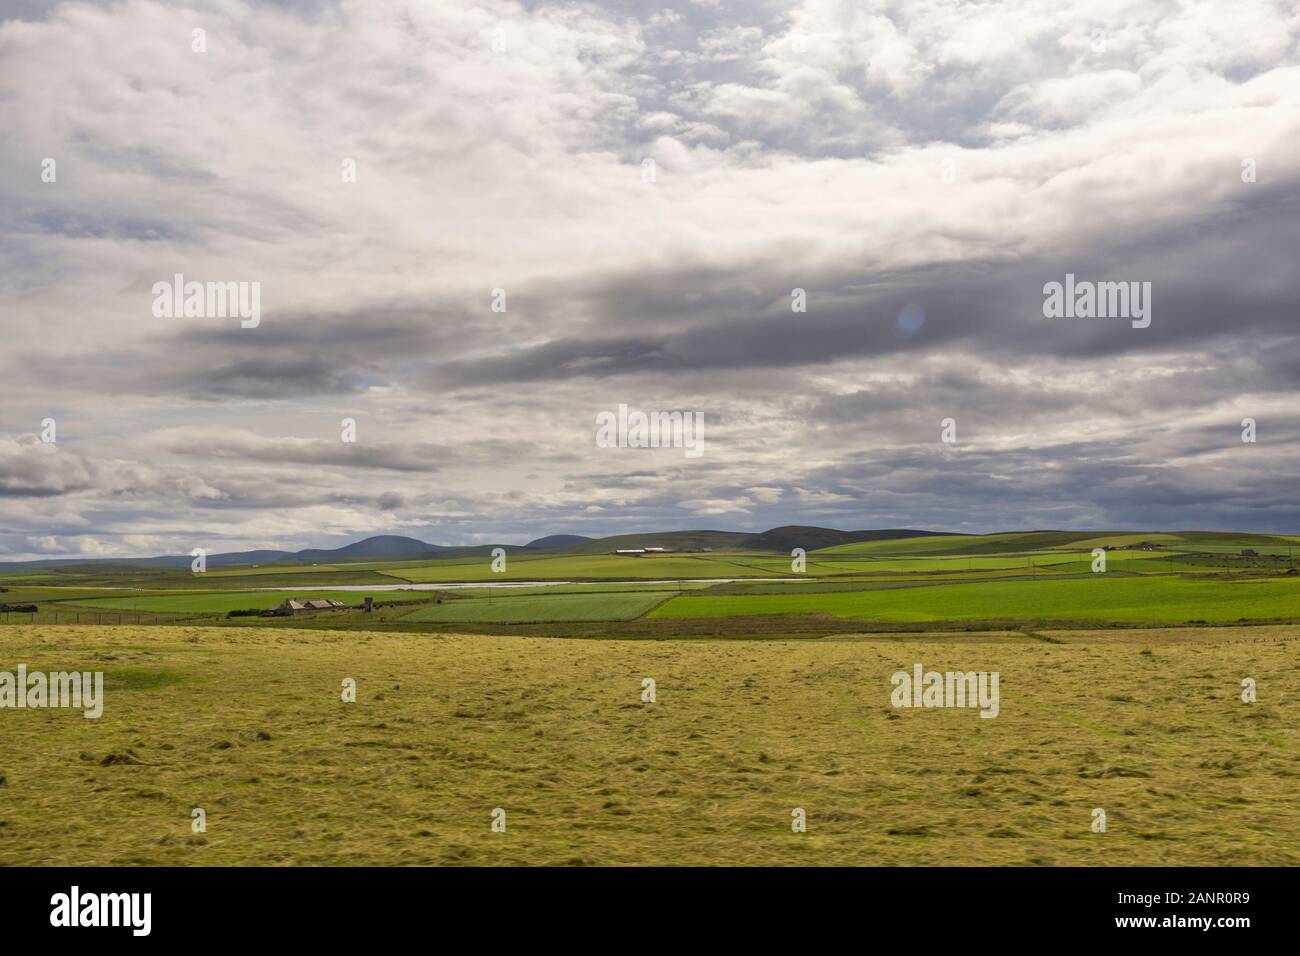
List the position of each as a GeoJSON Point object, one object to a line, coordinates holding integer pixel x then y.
{"type": "Point", "coordinates": [817, 167]}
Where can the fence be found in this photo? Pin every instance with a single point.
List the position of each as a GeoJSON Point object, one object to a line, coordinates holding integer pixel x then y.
{"type": "Point", "coordinates": [58, 616]}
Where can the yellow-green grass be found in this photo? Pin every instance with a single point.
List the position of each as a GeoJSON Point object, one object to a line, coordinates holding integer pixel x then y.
{"type": "Point", "coordinates": [36, 594]}
{"type": "Point", "coordinates": [244, 570]}
{"type": "Point", "coordinates": [1213, 542]}
{"type": "Point", "coordinates": [273, 578]}
{"type": "Point", "coordinates": [505, 608]}
{"type": "Point", "coordinates": [1095, 597]}
{"type": "Point", "coordinates": [817, 578]}
{"type": "Point", "coordinates": [581, 599]}
{"type": "Point", "coordinates": [248, 725]}
{"type": "Point", "coordinates": [1055, 560]}
{"type": "Point", "coordinates": [1018, 542]}
{"type": "Point", "coordinates": [588, 587]}
{"type": "Point", "coordinates": [819, 563]}
{"type": "Point", "coordinates": [1007, 542]}
{"type": "Point", "coordinates": [650, 567]}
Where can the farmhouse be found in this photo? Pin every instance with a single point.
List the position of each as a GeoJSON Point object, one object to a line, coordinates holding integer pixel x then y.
{"type": "Point", "coordinates": [324, 605]}
{"type": "Point", "coordinates": [297, 607]}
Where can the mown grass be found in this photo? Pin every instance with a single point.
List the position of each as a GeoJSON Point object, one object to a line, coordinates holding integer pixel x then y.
{"type": "Point", "coordinates": [1148, 726]}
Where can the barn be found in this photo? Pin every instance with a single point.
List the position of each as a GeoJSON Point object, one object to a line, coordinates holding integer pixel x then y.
{"type": "Point", "coordinates": [292, 606]}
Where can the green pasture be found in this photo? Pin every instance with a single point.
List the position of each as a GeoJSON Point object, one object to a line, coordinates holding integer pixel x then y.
{"type": "Point", "coordinates": [587, 566]}
{"type": "Point", "coordinates": [221, 602]}
{"type": "Point", "coordinates": [1092, 598]}
{"type": "Point", "coordinates": [618, 606]}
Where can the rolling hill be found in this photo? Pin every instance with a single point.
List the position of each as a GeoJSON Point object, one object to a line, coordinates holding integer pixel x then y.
{"type": "Point", "coordinates": [557, 541]}
{"type": "Point", "coordinates": [388, 546]}
{"type": "Point", "coordinates": [812, 538]}
{"type": "Point", "coordinates": [833, 545]}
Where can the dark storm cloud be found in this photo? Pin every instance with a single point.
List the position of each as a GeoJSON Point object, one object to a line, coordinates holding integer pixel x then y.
{"type": "Point", "coordinates": [781, 164]}
{"type": "Point", "coordinates": [244, 446]}
{"type": "Point", "coordinates": [287, 355]}
{"type": "Point", "coordinates": [29, 468]}
{"type": "Point", "coordinates": [1117, 483]}
{"type": "Point", "coordinates": [1225, 281]}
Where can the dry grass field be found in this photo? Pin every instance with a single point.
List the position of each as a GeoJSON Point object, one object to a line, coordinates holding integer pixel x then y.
{"type": "Point", "coordinates": [247, 723]}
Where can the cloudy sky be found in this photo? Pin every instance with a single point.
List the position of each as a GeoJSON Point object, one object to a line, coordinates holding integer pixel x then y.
{"type": "Point", "coordinates": [647, 183]}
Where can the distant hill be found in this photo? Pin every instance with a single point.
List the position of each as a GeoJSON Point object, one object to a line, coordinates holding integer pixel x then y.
{"type": "Point", "coordinates": [810, 538]}
{"type": "Point", "coordinates": [478, 551]}
{"type": "Point", "coordinates": [717, 540]}
{"type": "Point", "coordinates": [557, 541]}
{"type": "Point", "coordinates": [392, 547]}
{"type": "Point", "coordinates": [777, 539]}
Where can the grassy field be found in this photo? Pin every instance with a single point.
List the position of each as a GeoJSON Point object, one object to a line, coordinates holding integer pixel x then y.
{"type": "Point", "coordinates": [995, 580]}
{"type": "Point", "coordinates": [221, 601]}
{"type": "Point", "coordinates": [581, 567]}
{"type": "Point", "coordinates": [619, 606]}
{"type": "Point", "coordinates": [1095, 597]}
{"type": "Point", "coordinates": [1019, 542]}
{"type": "Point", "coordinates": [772, 695]}
{"type": "Point", "coordinates": [247, 723]}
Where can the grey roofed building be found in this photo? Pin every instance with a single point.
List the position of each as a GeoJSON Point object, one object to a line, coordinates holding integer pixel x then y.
{"type": "Point", "coordinates": [292, 606]}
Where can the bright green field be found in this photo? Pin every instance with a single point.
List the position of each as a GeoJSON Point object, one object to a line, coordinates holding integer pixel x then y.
{"type": "Point", "coordinates": [961, 544]}
{"type": "Point", "coordinates": [1095, 598]}
{"type": "Point", "coordinates": [1014, 542]}
{"type": "Point", "coordinates": [1189, 576]}
{"type": "Point", "coordinates": [1054, 561]}
{"type": "Point", "coordinates": [586, 587]}
{"type": "Point", "coordinates": [623, 606]}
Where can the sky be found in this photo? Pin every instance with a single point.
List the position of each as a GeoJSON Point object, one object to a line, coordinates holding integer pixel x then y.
{"type": "Point", "coordinates": [822, 228]}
